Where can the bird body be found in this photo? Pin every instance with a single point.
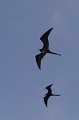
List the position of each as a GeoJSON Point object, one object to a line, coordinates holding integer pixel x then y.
{"type": "Point", "coordinates": [49, 93]}
{"type": "Point", "coordinates": [45, 48]}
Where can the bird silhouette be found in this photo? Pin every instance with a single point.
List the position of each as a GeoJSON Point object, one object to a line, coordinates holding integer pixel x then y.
{"type": "Point", "coordinates": [45, 48]}
{"type": "Point", "coordinates": [49, 93]}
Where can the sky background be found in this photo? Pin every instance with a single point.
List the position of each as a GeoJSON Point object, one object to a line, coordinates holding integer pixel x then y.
{"type": "Point", "coordinates": [22, 84]}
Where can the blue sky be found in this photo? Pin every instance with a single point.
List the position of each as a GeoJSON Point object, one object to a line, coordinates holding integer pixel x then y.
{"type": "Point", "coordinates": [22, 84]}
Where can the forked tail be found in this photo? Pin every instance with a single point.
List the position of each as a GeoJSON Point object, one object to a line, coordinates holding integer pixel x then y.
{"type": "Point", "coordinates": [53, 53]}
{"type": "Point", "coordinates": [56, 95]}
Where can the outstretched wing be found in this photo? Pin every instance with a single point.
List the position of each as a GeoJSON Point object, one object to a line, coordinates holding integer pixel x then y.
{"type": "Point", "coordinates": [46, 99]}
{"type": "Point", "coordinates": [49, 87]}
{"type": "Point", "coordinates": [44, 37]}
{"type": "Point", "coordinates": [38, 59]}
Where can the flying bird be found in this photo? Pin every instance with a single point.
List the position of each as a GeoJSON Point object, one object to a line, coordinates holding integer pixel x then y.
{"type": "Point", "coordinates": [49, 93]}
{"type": "Point", "coordinates": [45, 48]}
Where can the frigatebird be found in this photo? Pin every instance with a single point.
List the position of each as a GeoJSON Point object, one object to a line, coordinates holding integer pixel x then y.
{"type": "Point", "coordinates": [48, 94]}
{"type": "Point", "coordinates": [45, 48]}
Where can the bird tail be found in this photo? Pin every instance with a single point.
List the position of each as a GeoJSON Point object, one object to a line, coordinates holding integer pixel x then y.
{"type": "Point", "coordinates": [56, 54]}
{"type": "Point", "coordinates": [53, 53]}
{"type": "Point", "coordinates": [56, 95]}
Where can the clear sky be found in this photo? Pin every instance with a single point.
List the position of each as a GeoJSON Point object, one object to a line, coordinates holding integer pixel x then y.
{"type": "Point", "coordinates": [22, 84]}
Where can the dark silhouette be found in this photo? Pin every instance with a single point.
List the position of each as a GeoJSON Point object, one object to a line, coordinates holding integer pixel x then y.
{"type": "Point", "coordinates": [48, 94]}
{"type": "Point", "coordinates": [45, 48]}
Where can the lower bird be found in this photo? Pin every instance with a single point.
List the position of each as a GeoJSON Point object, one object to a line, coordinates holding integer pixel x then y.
{"type": "Point", "coordinates": [45, 48]}
{"type": "Point", "coordinates": [49, 94]}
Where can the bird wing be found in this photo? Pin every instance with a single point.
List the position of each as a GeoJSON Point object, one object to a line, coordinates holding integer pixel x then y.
{"type": "Point", "coordinates": [44, 37]}
{"type": "Point", "coordinates": [38, 59]}
{"type": "Point", "coordinates": [49, 87]}
{"type": "Point", "coordinates": [46, 99]}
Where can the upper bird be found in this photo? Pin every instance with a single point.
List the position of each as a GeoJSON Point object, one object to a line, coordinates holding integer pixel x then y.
{"type": "Point", "coordinates": [48, 94]}
{"type": "Point", "coordinates": [45, 48]}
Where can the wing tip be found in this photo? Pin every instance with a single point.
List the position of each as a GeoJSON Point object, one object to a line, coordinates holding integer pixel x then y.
{"type": "Point", "coordinates": [46, 32]}
{"type": "Point", "coordinates": [39, 66]}
{"type": "Point", "coordinates": [45, 101]}
{"type": "Point", "coordinates": [49, 86]}
{"type": "Point", "coordinates": [51, 28]}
